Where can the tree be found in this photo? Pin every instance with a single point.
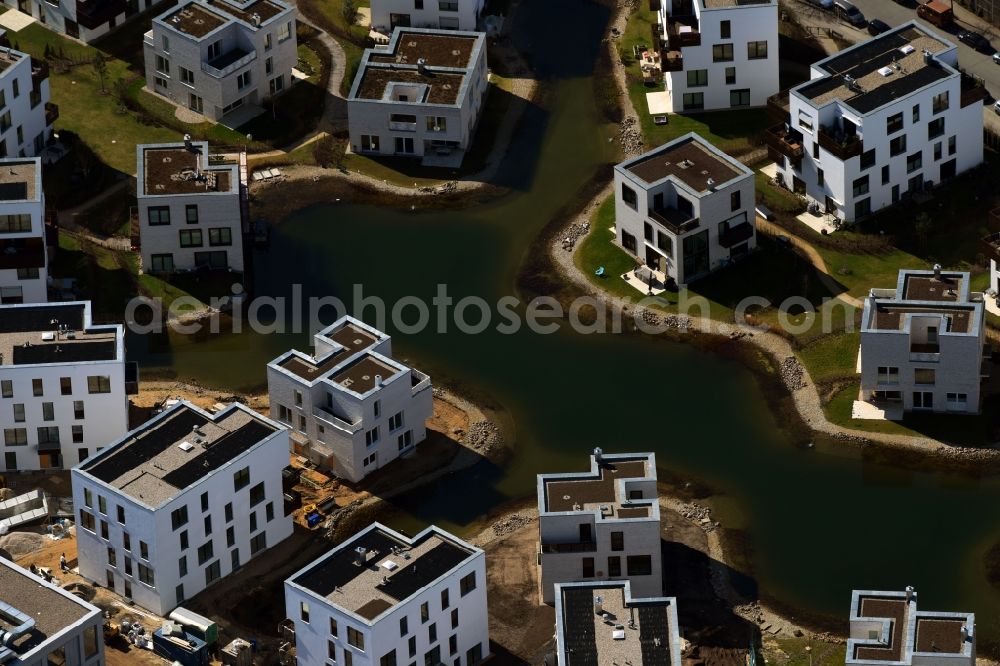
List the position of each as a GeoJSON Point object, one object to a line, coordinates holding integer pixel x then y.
{"type": "Point", "coordinates": [350, 12]}
{"type": "Point", "coordinates": [101, 67]}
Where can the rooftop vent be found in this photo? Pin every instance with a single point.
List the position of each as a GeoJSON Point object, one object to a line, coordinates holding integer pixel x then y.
{"type": "Point", "coordinates": [360, 556]}
{"type": "Point", "coordinates": [185, 446]}
{"type": "Point", "coordinates": [906, 49]}
{"type": "Point", "coordinates": [684, 164]}
{"type": "Point", "coordinates": [885, 71]}
{"type": "Point", "coordinates": [422, 65]}
{"type": "Point", "coordinates": [599, 605]}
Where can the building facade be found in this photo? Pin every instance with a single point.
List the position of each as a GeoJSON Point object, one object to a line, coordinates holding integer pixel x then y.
{"type": "Point", "coordinates": [443, 14]}
{"type": "Point", "coordinates": [384, 598]}
{"type": "Point", "coordinates": [351, 408]}
{"type": "Point", "coordinates": [64, 385]}
{"type": "Point", "coordinates": [922, 343]}
{"type": "Point", "coordinates": [216, 56]}
{"type": "Point", "coordinates": [601, 525]}
{"type": "Point", "coordinates": [886, 627]}
{"type": "Point", "coordinates": [718, 54]}
{"type": "Point", "coordinates": [991, 247]}
{"type": "Point", "coordinates": [180, 502]}
{"type": "Point", "coordinates": [191, 211]}
{"type": "Point", "coordinates": [877, 122]}
{"type": "Point", "coordinates": [603, 624]}
{"type": "Point", "coordinates": [421, 94]}
{"type": "Point", "coordinates": [85, 20]}
{"type": "Point", "coordinates": [44, 624]}
{"type": "Point", "coordinates": [685, 209]}
{"type": "Point", "coordinates": [23, 253]}
{"type": "Point", "coordinates": [26, 114]}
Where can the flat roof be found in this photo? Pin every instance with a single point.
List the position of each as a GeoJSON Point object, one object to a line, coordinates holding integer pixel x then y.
{"type": "Point", "coordinates": [350, 338]}
{"type": "Point", "coordinates": [391, 569]}
{"type": "Point", "coordinates": [20, 179]}
{"type": "Point", "coordinates": [177, 449]}
{"type": "Point", "coordinates": [265, 10]}
{"type": "Point", "coordinates": [182, 169]}
{"type": "Point", "coordinates": [600, 625]}
{"type": "Point", "coordinates": [52, 609]}
{"type": "Point", "coordinates": [892, 317]}
{"type": "Point", "coordinates": [599, 489]}
{"type": "Point", "coordinates": [689, 159]}
{"type": "Point", "coordinates": [925, 293]}
{"type": "Point", "coordinates": [55, 333]}
{"type": "Point", "coordinates": [193, 19]}
{"type": "Point", "coordinates": [880, 70]}
{"type": "Point", "coordinates": [947, 287]}
{"type": "Point", "coordinates": [432, 63]}
{"type": "Point", "coordinates": [895, 610]}
{"type": "Point", "coordinates": [718, 4]}
{"type": "Point", "coordinates": [359, 375]}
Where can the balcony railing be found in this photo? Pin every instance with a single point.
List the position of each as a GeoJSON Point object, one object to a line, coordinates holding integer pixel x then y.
{"type": "Point", "coordinates": [51, 112]}
{"type": "Point", "coordinates": [674, 220]}
{"type": "Point", "coordinates": [329, 417]}
{"type": "Point", "coordinates": [402, 127]}
{"type": "Point", "coordinates": [420, 383]}
{"type": "Point", "coordinates": [571, 547]}
{"type": "Point", "coordinates": [785, 142]}
{"type": "Point", "coordinates": [842, 148]}
{"type": "Point", "coordinates": [683, 32]}
{"type": "Point", "coordinates": [671, 61]}
{"type": "Point", "coordinates": [991, 246]}
{"type": "Point", "coordinates": [39, 72]}
{"type": "Point", "coordinates": [228, 63]}
{"type": "Point", "coordinates": [147, 38]}
{"type": "Point", "coordinates": [734, 235]}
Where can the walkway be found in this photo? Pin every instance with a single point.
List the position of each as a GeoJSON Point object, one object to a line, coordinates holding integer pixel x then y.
{"type": "Point", "coordinates": [67, 220]}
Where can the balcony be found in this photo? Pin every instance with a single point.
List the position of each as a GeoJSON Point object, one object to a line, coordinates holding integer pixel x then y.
{"type": "Point", "coordinates": [924, 353]}
{"type": "Point", "coordinates": [778, 105]}
{"type": "Point", "coordinates": [228, 62]}
{"type": "Point", "coordinates": [840, 146]}
{"type": "Point", "coordinates": [785, 142]}
{"type": "Point", "coordinates": [674, 220]}
{"type": "Point", "coordinates": [22, 253]}
{"type": "Point", "coordinates": [335, 421]}
{"type": "Point", "coordinates": [39, 72]}
{"type": "Point", "coordinates": [735, 235]}
{"type": "Point", "coordinates": [682, 31]}
{"type": "Point", "coordinates": [671, 61]}
{"type": "Point", "coordinates": [402, 127]}
{"type": "Point", "coordinates": [571, 547]}
{"type": "Point", "coordinates": [147, 38]}
{"type": "Point", "coordinates": [991, 247]}
{"type": "Point", "coordinates": [419, 382]}
{"type": "Point", "coordinates": [92, 14]}
{"type": "Point", "coordinates": [51, 113]}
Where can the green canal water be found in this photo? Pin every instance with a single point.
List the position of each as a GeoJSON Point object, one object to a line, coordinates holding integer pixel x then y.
{"type": "Point", "coordinates": [821, 521]}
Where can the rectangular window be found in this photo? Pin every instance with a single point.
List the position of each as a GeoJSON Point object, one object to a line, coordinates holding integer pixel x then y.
{"type": "Point", "coordinates": [940, 102]}
{"type": "Point", "coordinates": [587, 567]}
{"type": "Point", "coordinates": [78, 410]}
{"type": "Point", "coordinates": [205, 552]}
{"type": "Point", "coordinates": [144, 550]}
{"type": "Point", "coordinates": [938, 151]}
{"type": "Point", "coordinates": [15, 436]}
{"type": "Point", "coordinates": [885, 175]}
{"type": "Point", "coordinates": [190, 238]}
{"type": "Point", "coordinates": [725, 29]}
{"type": "Point", "coordinates": [693, 101]}
{"type": "Point", "coordinates": [951, 145]}
{"type": "Point", "coordinates": [99, 384]}
{"type": "Point", "coordinates": [629, 197]}
{"type": "Point", "coordinates": [257, 494]}
{"type": "Point", "coordinates": [756, 50]}
{"type": "Point", "coordinates": [425, 612]}
{"type": "Point", "coordinates": [863, 207]}
{"type": "Point", "coordinates": [739, 97]}
{"type": "Point", "coordinates": [388, 659]}
{"type": "Point", "coordinates": [66, 385]}
{"type": "Point", "coordinates": [14, 224]}
{"type": "Point", "coordinates": [730, 76]}
{"type": "Point", "coordinates": [722, 52]}
{"type": "Point", "coordinates": [187, 76]}
{"type": "Point", "coordinates": [220, 236]}
{"type": "Point", "coordinates": [396, 421]}
{"type": "Point", "coordinates": [158, 215]}
{"type": "Point", "coordinates": [819, 177]}
{"type": "Point", "coordinates": [614, 566]}
{"type": "Point", "coordinates": [183, 540]}
{"type": "Point", "coordinates": [87, 520]}
{"type": "Point", "coordinates": [146, 575]}
{"type": "Point", "coordinates": [77, 435]}
{"type": "Point", "coordinates": [454, 618]}
{"type": "Point", "coordinates": [916, 113]}
{"type": "Point", "coordinates": [212, 572]}
{"type": "Point", "coordinates": [914, 162]}
{"type": "Point", "coordinates": [617, 541]}
{"type": "Point", "coordinates": [404, 626]}
{"type": "Point", "coordinates": [182, 566]}
{"type": "Point", "coordinates": [48, 411]}
{"type": "Point", "coordinates": [924, 376]}
{"type": "Point", "coordinates": [639, 565]}
{"type": "Point", "coordinates": [371, 437]}
{"type": "Point", "coordinates": [894, 123]}
{"type": "Point", "coordinates": [897, 146]}
{"type": "Point", "coordinates": [258, 543]}
{"type": "Point", "coordinates": [37, 387]}
{"type": "Point", "coordinates": [444, 599]}
{"type": "Point", "coordinates": [867, 159]}
{"type": "Point", "coordinates": [18, 408]}
{"type": "Point", "coordinates": [935, 128]}
{"type": "Point", "coordinates": [48, 435]}
{"type": "Point", "coordinates": [467, 584]}
{"type": "Point", "coordinates": [860, 186]}
{"type": "Point", "coordinates": [229, 512]}
{"type": "Point", "coordinates": [230, 537]}
{"type": "Point", "coordinates": [355, 638]}
{"type": "Point", "coordinates": [697, 78]}
{"type": "Point", "coordinates": [304, 611]}
{"type": "Point", "coordinates": [805, 122]}
{"type": "Point", "coordinates": [243, 80]}
{"type": "Point", "coordinates": [208, 525]}
{"type": "Point", "coordinates": [178, 517]}
{"type": "Point", "coordinates": [162, 65]}
{"type": "Point", "coordinates": [432, 633]}
{"type": "Point", "coordinates": [6, 388]}
{"type": "Point", "coordinates": [888, 375]}
{"type": "Point", "coordinates": [284, 31]}
{"type": "Point", "coordinates": [241, 479]}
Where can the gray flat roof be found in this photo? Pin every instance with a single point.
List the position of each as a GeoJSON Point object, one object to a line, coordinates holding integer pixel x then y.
{"type": "Point", "coordinates": [55, 333]}
{"type": "Point", "coordinates": [20, 179]}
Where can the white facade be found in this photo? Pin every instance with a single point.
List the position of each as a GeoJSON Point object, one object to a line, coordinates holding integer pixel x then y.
{"type": "Point", "coordinates": [400, 106]}
{"type": "Point", "coordinates": [180, 502]}
{"type": "Point", "coordinates": [23, 254]}
{"type": "Point", "coordinates": [685, 209]}
{"type": "Point", "coordinates": [384, 598]}
{"type": "Point", "coordinates": [63, 385]}
{"type": "Point", "coordinates": [443, 14]}
{"type": "Point", "coordinates": [86, 20]}
{"type": "Point", "coordinates": [351, 407]}
{"type": "Point", "coordinates": [879, 120]}
{"type": "Point", "coordinates": [191, 212]}
{"type": "Point", "coordinates": [44, 624]}
{"type": "Point", "coordinates": [26, 114]}
{"type": "Point", "coordinates": [214, 57]}
{"type": "Point", "coordinates": [922, 343]}
{"type": "Point", "coordinates": [627, 630]}
{"type": "Point", "coordinates": [601, 525]}
{"type": "Point", "coordinates": [718, 54]}
{"type": "Point", "coordinates": [887, 628]}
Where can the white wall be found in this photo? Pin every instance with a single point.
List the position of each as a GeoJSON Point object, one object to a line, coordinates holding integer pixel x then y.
{"type": "Point", "coordinates": [465, 17]}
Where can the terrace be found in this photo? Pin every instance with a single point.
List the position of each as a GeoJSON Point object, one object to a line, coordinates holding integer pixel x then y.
{"type": "Point", "coordinates": [194, 19]}
{"type": "Point", "coordinates": [600, 491]}
{"type": "Point", "coordinates": [49, 334]}
{"type": "Point", "coordinates": [179, 169]}
{"type": "Point", "coordinates": [784, 142]}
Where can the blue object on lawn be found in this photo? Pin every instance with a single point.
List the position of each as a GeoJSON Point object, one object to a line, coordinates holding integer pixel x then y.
{"type": "Point", "coordinates": [599, 272]}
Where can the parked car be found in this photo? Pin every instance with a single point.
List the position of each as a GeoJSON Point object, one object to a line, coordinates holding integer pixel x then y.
{"type": "Point", "coordinates": [936, 13]}
{"type": "Point", "coordinates": [822, 4]}
{"type": "Point", "coordinates": [996, 107]}
{"type": "Point", "coordinates": [877, 27]}
{"type": "Point", "coordinates": [847, 11]}
{"type": "Point", "coordinates": [996, 58]}
{"type": "Point", "coordinates": [976, 41]}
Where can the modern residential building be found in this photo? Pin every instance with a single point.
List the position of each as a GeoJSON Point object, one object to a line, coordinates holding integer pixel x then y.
{"type": "Point", "coordinates": [351, 408]}
{"type": "Point", "coordinates": [601, 525]}
{"type": "Point", "coordinates": [718, 54]}
{"type": "Point", "coordinates": [63, 385]}
{"type": "Point", "coordinates": [922, 344]}
{"type": "Point", "coordinates": [881, 119]}
{"type": "Point", "coordinates": [444, 14]}
{"type": "Point", "coordinates": [886, 627]}
{"type": "Point", "coordinates": [180, 502]}
{"type": "Point", "coordinates": [23, 254]}
{"type": "Point", "coordinates": [41, 623]}
{"type": "Point", "coordinates": [192, 212]}
{"type": "Point", "coordinates": [991, 245]}
{"type": "Point", "coordinates": [216, 56]}
{"type": "Point", "coordinates": [384, 598]}
{"type": "Point", "coordinates": [421, 94]}
{"type": "Point", "coordinates": [603, 624]}
{"type": "Point", "coordinates": [691, 205]}
{"type": "Point", "coordinates": [26, 114]}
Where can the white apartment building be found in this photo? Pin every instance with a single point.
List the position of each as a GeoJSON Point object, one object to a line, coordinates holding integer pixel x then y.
{"type": "Point", "coordinates": [215, 56]}
{"type": "Point", "coordinates": [85, 20]}
{"type": "Point", "coordinates": [43, 624]}
{"type": "Point", "coordinates": [991, 245]}
{"type": "Point", "coordinates": [887, 628]}
{"type": "Point", "coordinates": [351, 408]}
{"type": "Point", "coordinates": [192, 213]}
{"type": "Point", "coordinates": [922, 343]}
{"type": "Point", "coordinates": [63, 385]}
{"type": "Point", "coordinates": [383, 598]}
{"type": "Point", "coordinates": [718, 54]}
{"type": "Point", "coordinates": [601, 525]}
{"type": "Point", "coordinates": [444, 14]}
{"type": "Point", "coordinates": [26, 114]}
{"type": "Point", "coordinates": [602, 624]}
{"type": "Point", "coordinates": [878, 120]}
{"type": "Point", "coordinates": [421, 94]}
{"type": "Point", "coordinates": [23, 254]}
{"type": "Point", "coordinates": [691, 204]}
{"type": "Point", "coordinates": [180, 502]}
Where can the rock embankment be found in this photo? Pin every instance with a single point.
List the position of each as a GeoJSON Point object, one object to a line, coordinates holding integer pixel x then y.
{"type": "Point", "coordinates": [629, 136]}
{"type": "Point", "coordinates": [700, 516]}
{"type": "Point", "coordinates": [484, 436]}
{"type": "Point", "coordinates": [510, 524]}
{"type": "Point", "coordinates": [792, 373]}
{"type": "Point", "coordinates": [574, 233]}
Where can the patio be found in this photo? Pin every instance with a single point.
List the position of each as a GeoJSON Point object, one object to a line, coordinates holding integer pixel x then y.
{"type": "Point", "coordinates": [882, 411]}
{"type": "Point", "coordinates": [451, 159]}
{"type": "Point", "coordinates": [646, 281]}
{"type": "Point", "coordinates": [818, 223]}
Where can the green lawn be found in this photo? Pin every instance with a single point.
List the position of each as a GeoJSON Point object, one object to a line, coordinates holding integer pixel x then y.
{"type": "Point", "coordinates": [778, 199]}
{"type": "Point", "coordinates": [831, 356]}
{"type": "Point", "coordinates": [792, 652]}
